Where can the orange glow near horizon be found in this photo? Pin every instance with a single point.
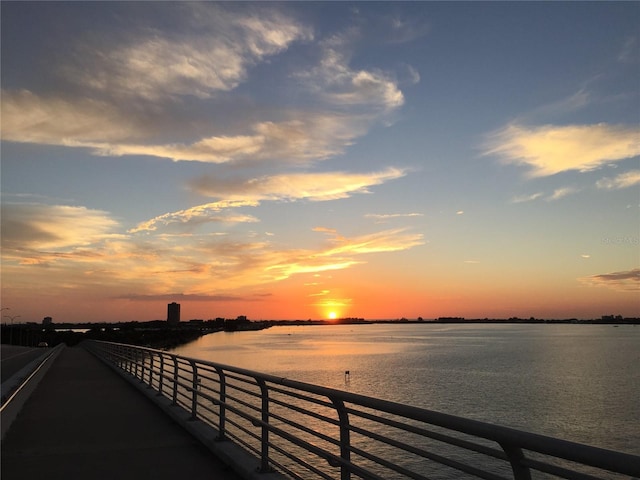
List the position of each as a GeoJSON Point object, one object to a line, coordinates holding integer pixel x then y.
{"type": "Point", "coordinates": [332, 315]}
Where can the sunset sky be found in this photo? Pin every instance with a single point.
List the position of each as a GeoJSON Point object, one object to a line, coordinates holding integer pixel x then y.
{"type": "Point", "coordinates": [290, 160]}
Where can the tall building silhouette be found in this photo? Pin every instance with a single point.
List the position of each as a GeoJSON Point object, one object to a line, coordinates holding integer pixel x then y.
{"type": "Point", "coordinates": [173, 313]}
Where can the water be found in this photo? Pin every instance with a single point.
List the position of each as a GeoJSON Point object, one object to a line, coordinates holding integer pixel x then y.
{"type": "Point", "coordinates": [576, 382]}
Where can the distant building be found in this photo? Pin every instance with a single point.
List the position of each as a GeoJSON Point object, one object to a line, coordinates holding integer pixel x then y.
{"type": "Point", "coordinates": [47, 321]}
{"type": "Point", "coordinates": [173, 313]}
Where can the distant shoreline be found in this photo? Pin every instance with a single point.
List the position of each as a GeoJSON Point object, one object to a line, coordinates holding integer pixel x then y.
{"type": "Point", "coordinates": [159, 334]}
{"type": "Point", "coordinates": [259, 324]}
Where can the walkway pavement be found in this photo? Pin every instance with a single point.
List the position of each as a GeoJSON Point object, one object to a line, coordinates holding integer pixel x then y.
{"type": "Point", "coordinates": [85, 422]}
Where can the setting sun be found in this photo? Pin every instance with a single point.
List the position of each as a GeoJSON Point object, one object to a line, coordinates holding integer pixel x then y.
{"type": "Point", "coordinates": [333, 315]}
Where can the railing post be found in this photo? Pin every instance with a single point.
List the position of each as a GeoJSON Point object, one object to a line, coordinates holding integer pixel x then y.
{"type": "Point", "coordinates": [116, 351]}
{"type": "Point", "coordinates": [264, 436]}
{"type": "Point", "coordinates": [132, 361]}
{"type": "Point", "coordinates": [136, 362]}
{"type": "Point", "coordinates": [142, 360]}
{"type": "Point", "coordinates": [515, 455]}
{"type": "Point", "coordinates": [151, 362]}
{"type": "Point", "coordinates": [194, 389]}
{"type": "Point", "coordinates": [130, 364]}
{"type": "Point", "coordinates": [161, 378]}
{"type": "Point", "coordinates": [124, 358]}
{"type": "Point", "coordinates": [222, 411]}
{"type": "Point", "coordinates": [174, 394]}
{"type": "Point", "coordinates": [345, 438]}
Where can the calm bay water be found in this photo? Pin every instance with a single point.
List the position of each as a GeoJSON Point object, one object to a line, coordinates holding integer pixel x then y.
{"type": "Point", "coordinates": [577, 382]}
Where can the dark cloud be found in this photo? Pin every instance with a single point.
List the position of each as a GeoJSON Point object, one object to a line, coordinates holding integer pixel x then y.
{"type": "Point", "coordinates": [627, 280]}
{"type": "Point", "coordinates": [181, 297]}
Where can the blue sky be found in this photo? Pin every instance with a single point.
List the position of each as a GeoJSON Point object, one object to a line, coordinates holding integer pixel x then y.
{"type": "Point", "coordinates": [289, 160]}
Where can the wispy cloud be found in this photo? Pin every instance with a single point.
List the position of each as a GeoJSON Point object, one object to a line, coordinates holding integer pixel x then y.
{"type": "Point", "coordinates": [623, 180]}
{"type": "Point", "coordinates": [557, 194]}
{"type": "Point", "coordinates": [527, 198]}
{"type": "Point", "coordinates": [211, 52]}
{"type": "Point", "coordinates": [334, 302]}
{"type": "Point", "coordinates": [630, 51]}
{"type": "Point", "coordinates": [361, 87]}
{"type": "Point", "coordinates": [384, 241]}
{"type": "Point", "coordinates": [624, 281]}
{"type": "Point", "coordinates": [383, 217]}
{"type": "Point", "coordinates": [562, 192]}
{"type": "Point", "coordinates": [311, 186]}
{"type": "Point", "coordinates": [551, 149]}
{"type": "Point", "coordinates": [323, 293]}
{"type": "Point", "coordinates": [343, 252]}
{"type": "Point", "coordinates": [580, 99]}
{"type": "Point", "coordinates": [198, 215]}
{"type": "Point", "coordinates": [127, 88]}
{"type": "Point", "coordinates": [315, 136]}
{"type": "Point", "coordinates": [31, 118]}
{"type": "Point", "coordinates": [108, 130]}
{"type": "Point", "coordinates": [341, 85]}
{"type": "Point", "coordinates": [34, 226]}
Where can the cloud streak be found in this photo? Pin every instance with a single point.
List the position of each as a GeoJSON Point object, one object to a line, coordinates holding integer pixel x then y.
{"type": "Point", "coordinates": [383, 217]}
{"type": "Point", "coordinates": [562, 192]}
{"type": "Point", "coordinates": [301, 141]}
{"type": "Point", "coordinates": [526, 198]}
{"type": "Point", "coordinates": [321, 186]}
{"type": "Point", "coordinates": [198, 215]}
{"type": "Point", "coordinates": [384, 241]}
{"type": "Point", "coordinates": [51, 120]}
{"type": "Point", "coordinates": [108, 130]}
{"type": "Point", "coordinates": [623, 180]}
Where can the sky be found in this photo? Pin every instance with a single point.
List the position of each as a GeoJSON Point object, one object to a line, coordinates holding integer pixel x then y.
{"type": "Point", "coordinates": [305, 160]}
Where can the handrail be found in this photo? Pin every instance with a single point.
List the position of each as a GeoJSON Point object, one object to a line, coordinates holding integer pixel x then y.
{"type": "Point", "coordinates": [309, 431]}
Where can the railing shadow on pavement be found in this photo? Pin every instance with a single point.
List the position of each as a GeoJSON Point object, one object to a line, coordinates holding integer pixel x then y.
{"type": "Point", "coordinates": [275, 427]}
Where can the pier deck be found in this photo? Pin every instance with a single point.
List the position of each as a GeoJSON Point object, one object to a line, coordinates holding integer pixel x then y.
{"type": "Point", "coordinates": [83, 421]}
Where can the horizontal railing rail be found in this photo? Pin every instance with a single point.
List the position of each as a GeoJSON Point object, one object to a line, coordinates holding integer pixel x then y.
{"type": "Point", "coordinates": [308, 431]}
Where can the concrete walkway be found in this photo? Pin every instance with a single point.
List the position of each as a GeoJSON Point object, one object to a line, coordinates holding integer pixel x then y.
{"type": "Point", "coordinates": [85, 422]}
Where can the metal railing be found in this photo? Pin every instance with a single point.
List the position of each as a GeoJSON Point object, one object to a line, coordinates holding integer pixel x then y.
{"type": "Point", "coordinates": [307, 431]}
